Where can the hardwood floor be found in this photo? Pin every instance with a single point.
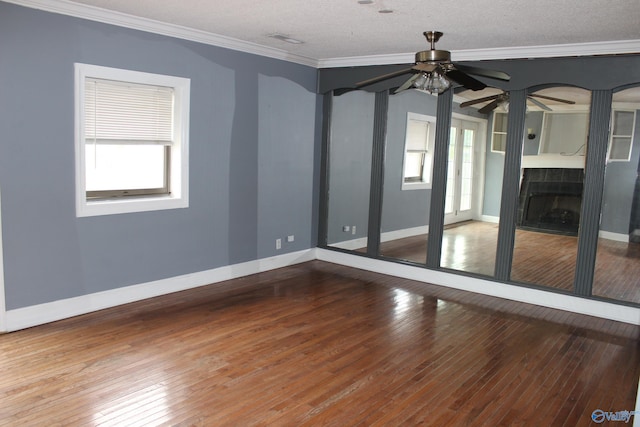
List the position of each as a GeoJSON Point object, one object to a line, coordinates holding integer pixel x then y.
{"type": "Point", "coordinates": [319, 344]}
{"type": "Point", "coordinates": [538, 258]}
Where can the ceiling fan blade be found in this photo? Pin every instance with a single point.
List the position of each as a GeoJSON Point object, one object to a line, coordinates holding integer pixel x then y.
{"type": "Point", "coordinates": [383, 77]}
{"type": "Point", "coordinates": [539, 104]}
{"type": "Point", "coordinates": [406, 85]}
{"type": "Point", "coordinates": [489, 107]}
{"type": "Point", "coordinates": [550, 98]}
{"type": "Point", "coordinates": [493, 74]}
{"type": "Point", "coordinates": [464, 79]}
{"type": "Point", "coordinates": [478, 101]}
{"type": "Point", "coordinates": [423, 66]}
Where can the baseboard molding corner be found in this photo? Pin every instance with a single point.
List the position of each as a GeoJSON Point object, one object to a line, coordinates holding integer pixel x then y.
{"type": "Point", "coordinates": [40, 314]}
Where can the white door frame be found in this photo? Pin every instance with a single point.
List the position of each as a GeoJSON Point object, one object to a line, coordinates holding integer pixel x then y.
{"type": "Point", "coordinates": [479, 162]}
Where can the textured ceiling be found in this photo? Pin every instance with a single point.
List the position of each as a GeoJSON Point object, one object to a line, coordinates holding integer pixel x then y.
{"type": "Point", "coordinates": [345, 28]}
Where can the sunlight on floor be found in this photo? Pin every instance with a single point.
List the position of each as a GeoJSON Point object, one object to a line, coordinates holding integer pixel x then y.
{"type": "Point", "coordinates": [143, 407]}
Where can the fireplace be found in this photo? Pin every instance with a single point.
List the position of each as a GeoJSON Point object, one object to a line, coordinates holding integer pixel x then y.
{"type": "Point", "coordinates": [550, 200]}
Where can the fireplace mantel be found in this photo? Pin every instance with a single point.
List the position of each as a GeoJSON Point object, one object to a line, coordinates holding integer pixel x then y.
{"type": "Point", "coordinates": [553, 161]}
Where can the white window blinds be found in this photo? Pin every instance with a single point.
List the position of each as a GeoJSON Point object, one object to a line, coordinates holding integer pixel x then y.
{"type": "Point", "coordinates": [417, 135]}
{"type": "Point", "coordinates": [127, 113]}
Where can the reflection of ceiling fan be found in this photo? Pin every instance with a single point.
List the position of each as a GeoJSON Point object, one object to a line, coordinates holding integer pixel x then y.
{"type": "Point", "coordinates": [434, 71]}
{"type": "Point", "coordinates": [503, 98]}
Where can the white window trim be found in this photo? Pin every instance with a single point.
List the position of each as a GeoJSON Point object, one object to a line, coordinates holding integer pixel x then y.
{"type": "Point", "coordinates": [179, 197]}
{"type": "Point", "coordinates": [611, 136]}
{"type": "Point", "coordinates": [419, 185]}
{"type": "Point", "coordinates": [494, 132]}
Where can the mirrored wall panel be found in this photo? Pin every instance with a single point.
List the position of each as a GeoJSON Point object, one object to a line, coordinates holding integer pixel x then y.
{"type": "Point", "coordinates": [551, 187]}
{"type": "Point", "coordinates": [474, 181]}
{"type": "Point", "coordinates": [617, 272]}
{"type": "Point", "coordinates": [350, 146]}
{"type": "Point", "coordinates": [408, 163]}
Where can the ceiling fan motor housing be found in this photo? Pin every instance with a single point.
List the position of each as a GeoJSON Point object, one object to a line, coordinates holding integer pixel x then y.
{"type": "Point", "coordinates": [433, 56]}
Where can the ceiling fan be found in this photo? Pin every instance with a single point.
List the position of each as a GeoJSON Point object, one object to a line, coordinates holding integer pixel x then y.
{"type": "Point", "coordinates": [434, 71]}
{"type": "Point", "coordinates": [503, 98]}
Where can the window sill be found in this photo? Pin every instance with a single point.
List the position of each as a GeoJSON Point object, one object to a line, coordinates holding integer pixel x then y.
{"type": "Point", "coordinates": [130, 205]}
{"type": "Point", "coordinates": [416, 186]}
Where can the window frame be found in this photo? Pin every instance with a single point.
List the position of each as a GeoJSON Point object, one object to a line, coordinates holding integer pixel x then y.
{"type": "Point", "coordinates": [423, 182]}
{"type": "Point", "coordinates": [176, 156]}
{"type": "Point", "coordinates": [501, 132]}
{"type": "Point", "coordinates": [612, 135]}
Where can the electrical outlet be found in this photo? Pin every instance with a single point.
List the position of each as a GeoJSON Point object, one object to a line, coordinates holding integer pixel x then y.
{"type": "Point", "coordinates": [353, 230]}
{"type": "Point", "coordinates": [290, 238]}
{"type": "Point", "coordinates": [345, 228]}
{"type": "Point", "coordinates": [278, 243]}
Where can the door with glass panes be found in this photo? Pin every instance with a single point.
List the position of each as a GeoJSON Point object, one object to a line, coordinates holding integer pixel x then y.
{"type": "Point", "coordinates": [460, 195]}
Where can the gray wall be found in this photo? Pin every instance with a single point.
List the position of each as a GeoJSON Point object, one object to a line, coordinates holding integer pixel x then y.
{"type": "Point", "coordinates": [253, 163]}
{"type": "Point", "coordinates": [493, 171]}
{"type": "Point", "coordinates": [533, 120]}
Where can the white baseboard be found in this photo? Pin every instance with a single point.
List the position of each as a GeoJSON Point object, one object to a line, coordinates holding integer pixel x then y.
{"type": "Point", "coordinates": [405, 232]}
{"type": "Point", "coordinates": [384, 237]}
{"type": "Point", "coordinates": [490, 218]}
{"type": "Point", "coordinates": [618, 237]}
{"type": "Point", "coordinates": [27, 317]}
{"type": "Point", "coordinates": [351, 245]}
{"type": "Point", "coordinates": [502, 290]}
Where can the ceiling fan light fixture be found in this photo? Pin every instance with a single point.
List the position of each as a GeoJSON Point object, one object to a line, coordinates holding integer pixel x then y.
{"type": "Point", "coordinates": [437, 83]}
{"type": "Point", "coordinates": [433, 82]}
{"type": "Point", "coordinates": [421, 81]}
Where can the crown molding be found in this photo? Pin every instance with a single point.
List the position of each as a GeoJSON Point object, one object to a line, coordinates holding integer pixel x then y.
{"type": "Point", "coordinates": [97, 14]}
{"type": "Point", "coordinates": [549, 51]}
{"type": "Point", "coordinates": [93, 13]}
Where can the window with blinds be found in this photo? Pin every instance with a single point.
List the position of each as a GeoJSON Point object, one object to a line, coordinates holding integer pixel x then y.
{"type": "Point", "coordinates": [128, 132]}
{"type": "Point", "coordinates": [132, 134]}
{"type": "Point", "coordinates": [417, 152]}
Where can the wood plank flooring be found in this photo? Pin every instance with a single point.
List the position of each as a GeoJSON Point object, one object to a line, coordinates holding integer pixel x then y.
{"type": "Point", "coordinates": [319, 344]}
{"type": "Point", "coordinates": [538, 258]}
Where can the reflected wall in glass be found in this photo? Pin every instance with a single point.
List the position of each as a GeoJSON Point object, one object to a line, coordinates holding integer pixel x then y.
{"type": "Point", "coordinates": [551, 187]}
{"type": "Point", "coordinates": [618, 255]}
{"type": "Point", "coordinates": [408, 161]}
{"type": "Point", "coordinates": [350, 146]}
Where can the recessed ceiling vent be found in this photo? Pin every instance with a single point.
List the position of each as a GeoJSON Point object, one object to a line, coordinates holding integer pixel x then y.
{"type": "Point", "coordinates": [286, 39]}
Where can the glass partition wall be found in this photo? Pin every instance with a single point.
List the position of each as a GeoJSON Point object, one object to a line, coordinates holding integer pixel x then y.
{"type": "Point", "coordinates": [617, 269]}
{"type": "Point", "coordinates": [551, 186]}
{"type": "Point", "coordinates": [472, 196]}
{"type": "Point", "coordinates": [349, 168]}
{"type": "Point", "coordinates": [537, 159]}
{"type": "Point", "coordinates": [408, 165]}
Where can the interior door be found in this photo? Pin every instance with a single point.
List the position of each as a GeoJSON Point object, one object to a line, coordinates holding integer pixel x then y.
{"type": "Point", "coordinates": [461, 169]}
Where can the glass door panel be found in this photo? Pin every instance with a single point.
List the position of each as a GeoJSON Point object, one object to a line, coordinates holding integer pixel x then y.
{"type": "Point", "coordinates": [460, 172]}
